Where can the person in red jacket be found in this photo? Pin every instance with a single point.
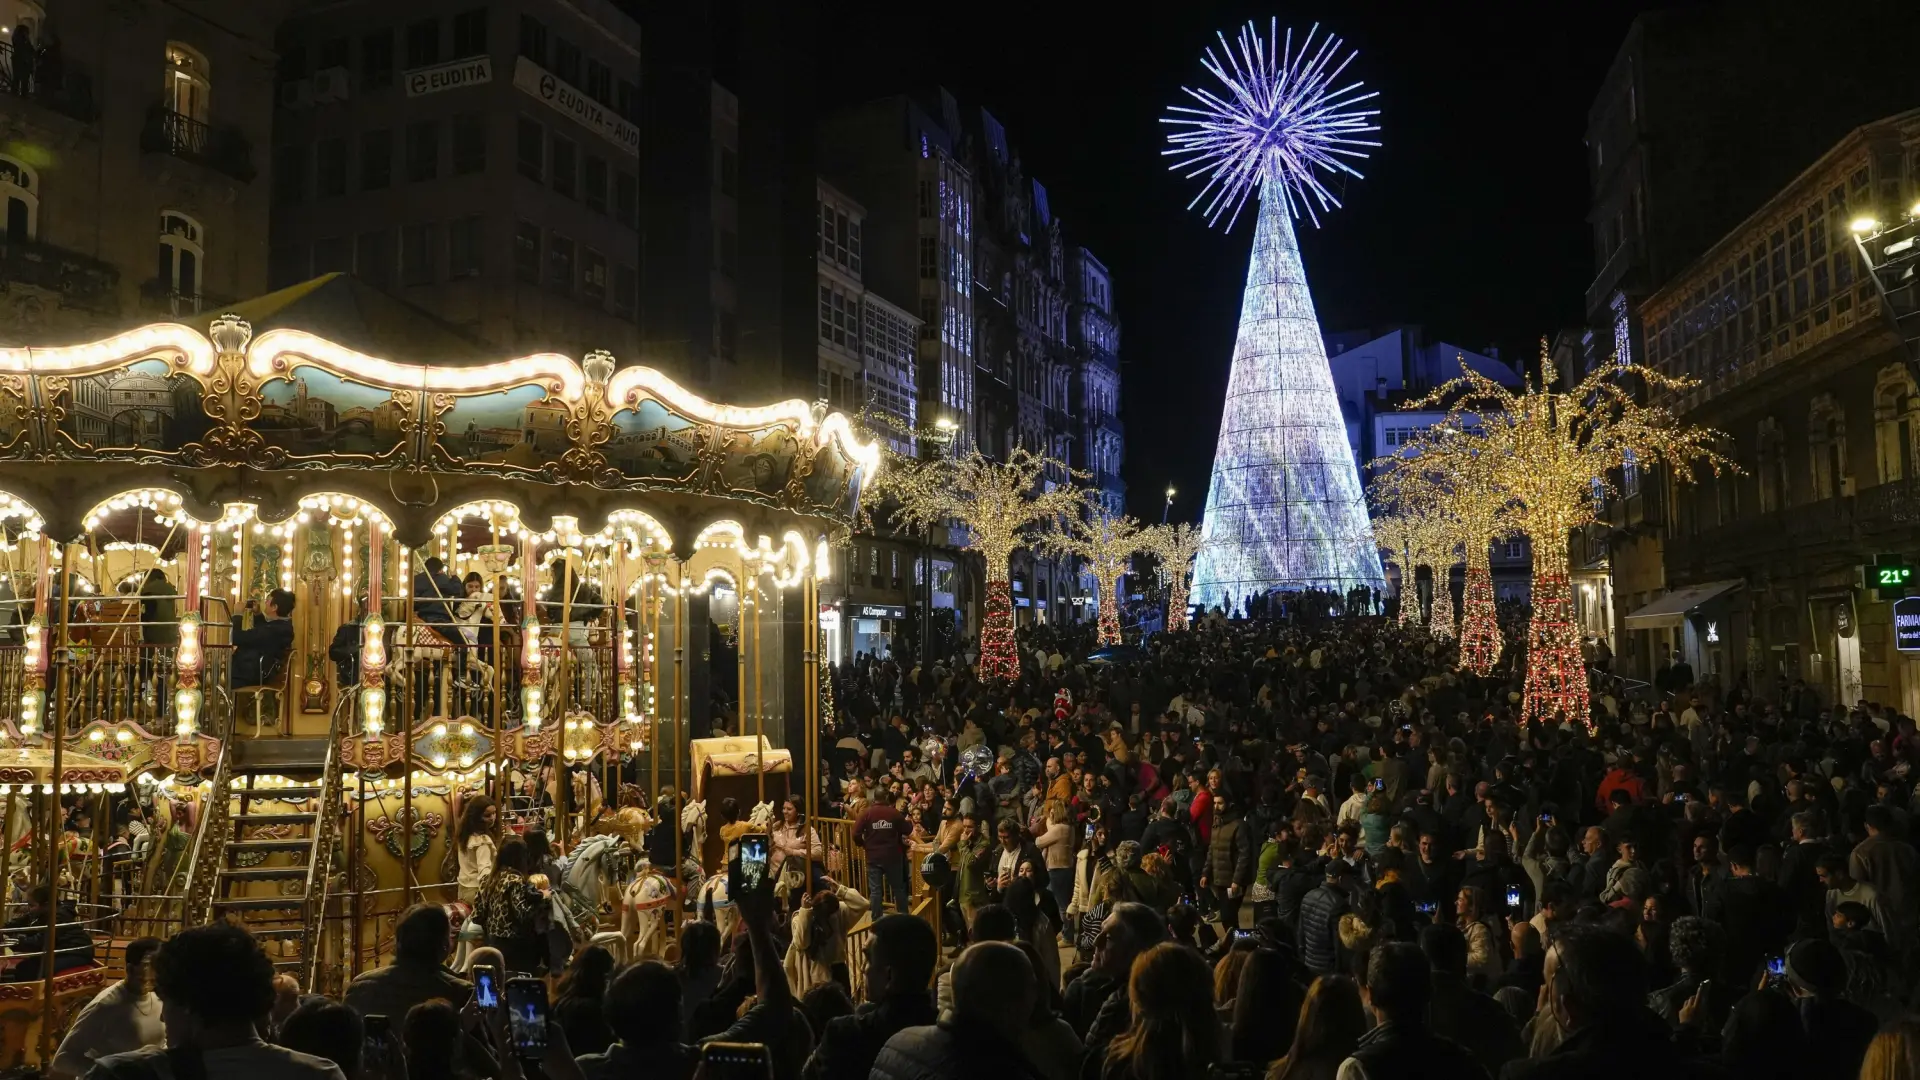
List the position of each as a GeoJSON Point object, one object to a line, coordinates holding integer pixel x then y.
{"type": "Point", "coordinates": [1201, 809]}
{"type": "Point", "coordinates": [1619, 778]}
{"type": "Point", "coordinates": [882, 833]}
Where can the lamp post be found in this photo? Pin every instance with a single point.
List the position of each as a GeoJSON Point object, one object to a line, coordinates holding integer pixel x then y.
{"type": "Point", "coordinates": [942, 435]}
{"type": "Point", "coordinates": [1168, 506]}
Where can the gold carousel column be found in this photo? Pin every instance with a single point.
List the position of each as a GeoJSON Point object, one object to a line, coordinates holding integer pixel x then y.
{"type": "Point", "coordinates": [55, 728]}
{"type": "Point", "coordinates": [679, 715]}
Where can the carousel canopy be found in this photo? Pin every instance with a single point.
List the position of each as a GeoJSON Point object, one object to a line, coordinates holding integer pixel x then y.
{"type": "Point", "coordinates": [28, 767]}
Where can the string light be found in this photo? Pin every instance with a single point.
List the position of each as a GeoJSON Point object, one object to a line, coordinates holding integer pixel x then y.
{"type": "Point", "coordinates": [1001, 504]}
{"type": "Point", "coordinates": [1553, 456]}
{"type": "Point", "coordinates": [1176, 546]}
{"type": "Point", "coordinates": [1106, 543]}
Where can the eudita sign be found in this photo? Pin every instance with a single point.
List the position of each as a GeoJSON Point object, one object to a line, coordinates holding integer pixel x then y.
{"type": "Point", "coordinates": [537, 81]}
{"type": "Point", "coordinates": [1906, 624]}
{"type": "Point", "coordinates": [473, 71]}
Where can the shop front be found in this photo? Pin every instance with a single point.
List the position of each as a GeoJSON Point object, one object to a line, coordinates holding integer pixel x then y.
{"type": "Point", "coordinates": [1708, 629]}
{"type": "Point", "coordinates": [871, 627]}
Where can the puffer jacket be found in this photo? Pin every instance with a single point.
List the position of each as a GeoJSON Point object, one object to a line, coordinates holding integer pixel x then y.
{"type": "Point", "coordinates": [1320, 912]}
{"type": "Point", "coordinates": [1230, 855]}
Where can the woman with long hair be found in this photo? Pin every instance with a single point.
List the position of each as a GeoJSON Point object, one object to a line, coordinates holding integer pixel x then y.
{"type": "Point", "coordinates": [796, 848]}
{"type": "Point", "coordinates": [474, 841]}
{"type": "Point", "coordinates": [1483, 959]}
{"type": "Point", "coordinates": [577, 1005]}
{"type": "Point", "coordinates": [1175, 1034]}
{"type": "Point", "coordinates": [1265, 1008]}
{"type": "Point", "coordinates": [818, 951]}
{"type": "Point", "coordinates": [1894, 1054]}
{"type": "Point", "coordinates": [1331, 1023]}
{"type": "Point", "coordinates": [509, 908]}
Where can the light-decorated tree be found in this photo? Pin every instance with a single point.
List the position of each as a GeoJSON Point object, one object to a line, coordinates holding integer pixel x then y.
{"type": "Point", "coordinates": [1000, 505]}
{"type": "Point", "coordinates": [1555, 455]}
{"type": "Point", "coordinates": [1400, 534]}
{"type": "Point", "coordinates": [1444, 473]}
{"type": "Point", "coordinates": [1176, 546]}
{"type": "Point", "coordinates": [1106, 543]}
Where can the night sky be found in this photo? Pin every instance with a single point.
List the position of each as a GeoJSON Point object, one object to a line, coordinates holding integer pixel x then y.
{"type": "Point", "coordinates": [1471, 219]}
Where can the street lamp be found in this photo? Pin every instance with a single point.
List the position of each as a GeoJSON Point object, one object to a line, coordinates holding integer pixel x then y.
{"type": "Point", "coordinates": [1168, 506]}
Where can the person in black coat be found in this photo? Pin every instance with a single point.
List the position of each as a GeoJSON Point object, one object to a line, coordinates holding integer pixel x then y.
{"type": "Point", "coordinates": [1756, 916]}
{"type": "Point", "coordinates": [1599, 999]}
{"type": "Point", "coordinates": [259, 653]}
{"type": "Point", "coordinates": [1399, 989]}
{"type": "Point", "coordinates": [900, 964]}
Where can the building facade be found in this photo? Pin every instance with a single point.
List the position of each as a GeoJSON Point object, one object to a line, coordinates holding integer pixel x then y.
{"type": "Point", "coordinates": [479, 161]}
{"type": "Point", "coordinates": [1797, 363]}
{"type": "Point", "coordinates": [133, 164]}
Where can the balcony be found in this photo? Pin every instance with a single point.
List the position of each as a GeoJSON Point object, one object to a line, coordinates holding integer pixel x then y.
{"type": "Point", "coordinates": [222, 149]}
{"type": "Point", "coordinates": [81, 281]}
{"type": "Point", "coordinates": [50, 82]}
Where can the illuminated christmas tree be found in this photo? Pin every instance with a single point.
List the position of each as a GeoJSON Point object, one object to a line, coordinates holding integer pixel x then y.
{"type": "Point", "coordinates": [1284, 509]}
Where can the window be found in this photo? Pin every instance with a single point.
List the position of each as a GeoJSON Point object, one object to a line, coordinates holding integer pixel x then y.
{"type": "Point", "coordinates": [376, 160]}
{"type": "Point", "coordinates": [626, 198]}
{"type": "Point", "coordinates": [181, 253]}
{"type": "Point", "coordinates": [376, 60]}
{"type": "Point", "coordinates": [526, 252]}
{"type": "Point", "coordinates": [333, 53]}
{"type": "Point", "coordinates": [330, 168]}
{"type": "Point", "coordinates": [423, 151]}
{"type": "Point", "coordinates": [20, 191]}
{"type": "Point", "coordinates": [418, 246]}
{"type": "Point", "coordinates": [839, 238]}
{"type": "Point", "coordinates": [464, 247]}
{"type": "Point", "coordinates": [187, 82]}
{"type": "Point", "coordinates": [1398, 436]}
{"type": "Point", "coordinates": [626, 99]}
{"type": "Point", "coordinates": [594, 181]}
{"type": "Point", "coordinates": [373, 258]}
{"type": "Point", "coordinates": [839, 318]}
{"type": "Point", "coordinates": [333, 255]}
{"type": "Point", "coordinates": [926, 199]}
{"type": "Point", "coordinates": [593, 276]}
{"type": "Point", "coordinates": [289, 174]}
{"type": "Point", "coordinates": [1827, 447]}
{"type": "Point", "coordinates": [469, 144]}
{"type": "Point", "coordinates": [726, 171]}
{"type": "Point", "coordinates": [530, 145]}
{"type": "Point", "coordinates": [533, 39]}
{"type": "Point", "coordinates": [626, 286]}
{"type": "Point", "coordinates": [599, 82]}
{"type": "Point", "coordinates": [566, 60]}
{"type": "Point", "coordinates": [560, 263]}
{"type": "Point", "coordinates": [470, 33]}
{"type": "Point", "coordinates": [726, 250]}
{"type": "Point", "coordinates": [423, 43]}
{"type": "Point", "coordinates": [929, 258]}
{"type": "Point", "coordinates": [1516, 549]}
{"type": "Point", "coordinates": [565, 166]}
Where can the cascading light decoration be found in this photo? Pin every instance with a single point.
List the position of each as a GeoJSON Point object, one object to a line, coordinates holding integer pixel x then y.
{"type": "Point", "coordinates": [1440, 618]}
{"type": "Point", "coordinates": [1284, 508]}
{"type": "Point", "coordinates": [1105, 542]}
{"type": "Point", "coordinates": [1175, 546]}
{"type": "Point", "coordinates": [1555, 456]}
{"type": "Point", "coordinates": [1000, 504]}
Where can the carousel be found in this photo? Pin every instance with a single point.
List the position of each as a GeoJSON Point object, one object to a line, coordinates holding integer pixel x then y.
{"type": "Point", "coordinates": [275, 614]}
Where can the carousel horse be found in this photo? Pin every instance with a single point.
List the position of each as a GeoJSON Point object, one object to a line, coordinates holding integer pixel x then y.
{"type": "Point", "coordinates": [467, 934]}
{"type": "Point", "coordinates": [761, 819]}
{"type": "Point", "coordinates": [693, 818]}
{"type": "Point", "coordinates": [643, 912]}
{"type": "Point", "coordinates": [715, 906]}
{"type": "Point", "coordinates": [588, 873]}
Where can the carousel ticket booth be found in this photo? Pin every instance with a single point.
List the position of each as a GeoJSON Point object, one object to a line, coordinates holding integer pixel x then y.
{"type": "Point", "coordinates": [307, 603]}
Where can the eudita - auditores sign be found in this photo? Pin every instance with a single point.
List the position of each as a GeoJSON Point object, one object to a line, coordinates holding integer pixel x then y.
{"type": "Point", "coordinates": [562, 96]}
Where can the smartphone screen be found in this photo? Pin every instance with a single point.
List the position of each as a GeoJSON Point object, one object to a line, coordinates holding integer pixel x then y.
{"type": "Point", "coordinates": [376, 1048]}
{"type": "Point", "coordinates": [527, 1017]}
{"type": "Point", "coordinates": [1776, 967]}
{"type": "Point", "coordinates": [1513, 897]}
{"type": "Point", "coordinates": [1427, 908]}
{"type": "Point", "coordinates": [735, 1061]}
{"type": "Point", "coordinates": [749, 864]}
{"type": "Point", "coordinates": [486, 986]}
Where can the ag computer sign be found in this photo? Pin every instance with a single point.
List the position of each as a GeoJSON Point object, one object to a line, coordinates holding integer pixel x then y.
{"type": "Point", "coordinates": [1906, 624]}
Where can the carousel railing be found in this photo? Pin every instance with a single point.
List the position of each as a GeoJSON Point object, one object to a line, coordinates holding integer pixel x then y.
{"type": "Point", "coordinates": [320, 867]}
{"type": "Point", "coordinates": [209, 845]}
{"type": "Point", "coordinates": [847, 864]}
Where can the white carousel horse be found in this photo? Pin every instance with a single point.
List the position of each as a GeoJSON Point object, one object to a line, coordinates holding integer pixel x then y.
{"type": "Point", "coordinates": [588, 874]}
{"type": "Point", "coordinates": [643, 912]}
{"type": "Point", "coordinates": [761, 819]}
{"type": "Point", "coordinates": [715, 906]}
{"type": "Point", "coordinates": [694, 816]}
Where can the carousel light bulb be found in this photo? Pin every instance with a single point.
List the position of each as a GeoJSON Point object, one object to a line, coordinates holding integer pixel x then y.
{"type": "Point", "coordinates": [186, 710]}
{"type": "Point", "coordinates": [96, 735]}
{"type": "Point", "coordinates": [123, 736]}
{"type": "Point", "coordinates": [466, 730]}
{"type": "Point", "coordinates": [373, 709]}
{"type": "Point", "coordinates": [46, 789]}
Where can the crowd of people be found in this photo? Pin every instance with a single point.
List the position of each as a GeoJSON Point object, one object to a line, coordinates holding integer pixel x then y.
{"type": "Point", "coordinates": [1301, 846]}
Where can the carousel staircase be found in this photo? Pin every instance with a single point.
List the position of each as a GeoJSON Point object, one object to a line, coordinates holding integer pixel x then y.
{"type": "Point", "coordinates": [271, 873]}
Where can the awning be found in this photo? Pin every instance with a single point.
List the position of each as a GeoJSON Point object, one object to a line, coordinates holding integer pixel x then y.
{"type": "Point", "coordinates": [1670, 609]}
